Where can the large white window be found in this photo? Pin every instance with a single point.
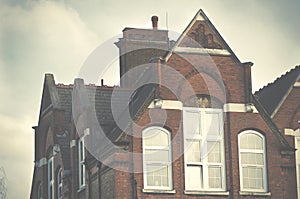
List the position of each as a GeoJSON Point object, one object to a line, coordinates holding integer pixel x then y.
{"type": "Point", "coordinates": [50, 179]}
{"type": "Point", "coordinates": [157, 163]}
{"type": "Point", "coordinates": [203, 149]}
{"type": "Point", "coordinates": [81, 158]}
{"type": "Point", "coordinates": [59, 184]}
{"type": "Point", "coordinates": [252, 161]}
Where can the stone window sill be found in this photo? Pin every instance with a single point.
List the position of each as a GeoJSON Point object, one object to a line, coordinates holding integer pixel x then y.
{"type": "Point", "coordinates": [158, 191]}
{"type": "Point", "coordinates": [215, 193]}
{"type": "Point", "coordinates": [248, 193]}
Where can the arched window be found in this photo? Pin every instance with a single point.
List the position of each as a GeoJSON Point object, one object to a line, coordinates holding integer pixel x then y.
{"type": "Point", "coordinates": [59, 184]}
{"type": "Point", "coordinates": [157, 163]}
{"type": "Point", "coordinates": [81, 158]}
{"type": "Point", "coordinates": [50, 179]}
{"type": "Point", "coordinates": [252, 161]}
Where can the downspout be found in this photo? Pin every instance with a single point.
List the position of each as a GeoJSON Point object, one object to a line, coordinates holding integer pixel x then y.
{"type": "Point", "coordinates": [89, 188]}
{"type": "Point", "coordinates": [230, 156]}
{"type": "Point", "coordinates": [133, 183]}
{"type": "Point", "coordinates": [99, 165]}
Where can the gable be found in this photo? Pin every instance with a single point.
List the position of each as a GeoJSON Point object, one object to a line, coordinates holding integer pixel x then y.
{"type": "Point", "coordinates": [50, 98]}
{"type": "Point", "coordinates": [201, 37]}
{"type": "Point", "coordinates": [274, 94]}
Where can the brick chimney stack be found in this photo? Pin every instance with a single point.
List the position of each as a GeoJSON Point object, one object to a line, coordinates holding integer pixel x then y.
{"type": "Point", "coordinates": [138, 47]}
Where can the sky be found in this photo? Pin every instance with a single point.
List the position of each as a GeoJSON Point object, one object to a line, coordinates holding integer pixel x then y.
{"type": "Point", "coordinates": [56, 36]}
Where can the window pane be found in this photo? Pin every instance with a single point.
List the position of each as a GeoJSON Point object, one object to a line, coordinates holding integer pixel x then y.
{"type": "Point", "coordinates": [157, 175]}
{"type": "Point", "coordinates": [193, 177]}
{"type": "Point", "coordinates": [193, 151]}
{"type": "Point", "coordinates": [214, 152]}
{"type": "Point", "coordinates": [155, 137]}
{"type": "Point", "coordinates": [156, 155]}
{"type": "Point", "coordinates": [251, 141]}
{"type": "Point", "coordinates": [81, 174]}
{"type": "Point", "coordinates": [80, 150]}
{"type": "Point", "coordinates": [50, 192]}
{"type": "Point", "coordinates": [253, 178]}
{"type": "Point", "coordinates": [252, 158]}
{"type": "Point", "coordinates": [212, 124]}
{"type": "Point", "coordinates": [50, 170]}
{"type": "Point", "coordinates": [192, 122]}
{"type": "Point", "coordinates": [214, 177]}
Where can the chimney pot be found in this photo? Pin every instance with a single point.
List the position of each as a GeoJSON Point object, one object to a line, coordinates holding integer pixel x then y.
{"type": "Point", "coordinates": [154, 20]}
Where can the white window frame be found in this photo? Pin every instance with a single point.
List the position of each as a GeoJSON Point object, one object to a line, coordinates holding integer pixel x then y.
{"type": "Point", "coordinates": [51, 178]}
{"type": "Point", "coordinates": [59, 184]}
{"type": "Point", "coordinates": [203, 138]}
{"type": "Point", "coordinates": [81, 158]}
{"type": "Point", "coordinates": [241, 166]}
{"type": "Point", "coordinates": [167, 163]}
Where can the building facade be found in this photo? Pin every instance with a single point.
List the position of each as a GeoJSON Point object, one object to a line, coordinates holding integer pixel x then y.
{"type": "Point", "coordinates": [183, 123]}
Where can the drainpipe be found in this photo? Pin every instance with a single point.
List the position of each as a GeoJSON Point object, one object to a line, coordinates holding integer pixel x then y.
{"type": "Point", "coordinates": [99, 164]}
{"type": "Point", "coordinates": [231, 186]}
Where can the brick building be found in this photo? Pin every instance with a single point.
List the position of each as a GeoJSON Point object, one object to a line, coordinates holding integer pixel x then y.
{"type": "Point", "coordinates": [184, 123]}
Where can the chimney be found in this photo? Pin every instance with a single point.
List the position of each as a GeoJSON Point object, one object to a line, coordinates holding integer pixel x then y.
{"type": "Point", "coordinates": [154, 20]}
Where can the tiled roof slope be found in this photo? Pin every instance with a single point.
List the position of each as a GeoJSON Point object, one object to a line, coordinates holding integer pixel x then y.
{"type": "Point", "coordinates": [100, 99]}
{"type": "Point", "coordinates": [271, 95]}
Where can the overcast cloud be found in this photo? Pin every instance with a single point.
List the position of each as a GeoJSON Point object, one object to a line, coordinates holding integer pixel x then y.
{"type": "Point", "coordinates": [39, 36]}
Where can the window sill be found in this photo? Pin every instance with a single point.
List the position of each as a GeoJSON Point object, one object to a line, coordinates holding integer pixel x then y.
{"type": "Point", "coordinates": [158, 191]}
{"type": "Point", "coordinates": [80, 189]}
{"type": "Point", "coordinates": [248, 193]}
{"type": "Point", "coordinates": [215, 193]}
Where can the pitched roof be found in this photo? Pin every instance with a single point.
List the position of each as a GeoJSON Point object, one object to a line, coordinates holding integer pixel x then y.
{"type": "Point", "coordinates": [272, 95]}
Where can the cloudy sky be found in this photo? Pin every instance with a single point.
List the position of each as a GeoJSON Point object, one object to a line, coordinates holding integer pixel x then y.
{"type": "Point", "coordinates": [56, 36]}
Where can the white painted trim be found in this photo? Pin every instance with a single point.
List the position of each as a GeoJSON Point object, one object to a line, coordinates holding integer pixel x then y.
{"type": "Point", "coordinates": [292, 132]}
{"type": "Point", "coordinates": [239, 108]}
{"type": "Point", "coordinates": [147, 41]}
{"type": "Point", "coordinates": [297, 84]}
{"type": "Point", "coordinates": [214, 193]}
{"type": "Point", "coordinates": [223, 52]}
{"type": "Point", "coordinates": [158, 191]}
{"type": "Point", "coordinates": [229, 107]}
{"type": "Point", "coordinates": [246, 193]}
{"type": "Point", "coordinates": [86, 132]}
{"type": "Point", "coordinates": [72, 143]}
{"type": "Point", "coordinates": [55, 149]}
{"type": "Point", "coordinates": [168, 104]}
{"type": "Point", "coordinates": [41, 162]}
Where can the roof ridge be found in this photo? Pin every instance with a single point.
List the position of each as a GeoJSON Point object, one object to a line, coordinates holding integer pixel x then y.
{"type": "Point", "coordinates": [277, 79]}
{"type": "Point", "coordinates": [61, 85]}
